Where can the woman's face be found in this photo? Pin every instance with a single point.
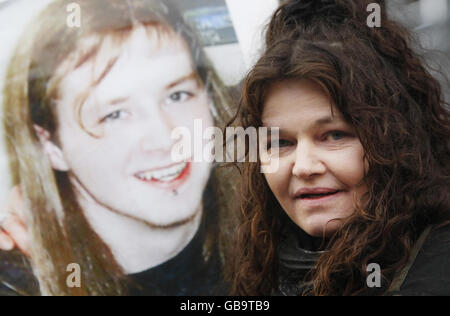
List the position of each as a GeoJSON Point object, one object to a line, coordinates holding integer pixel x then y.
{"type": "Point", "coordinates": [321, 159]}
{"type": "Point", "coordinates": [118, 148]}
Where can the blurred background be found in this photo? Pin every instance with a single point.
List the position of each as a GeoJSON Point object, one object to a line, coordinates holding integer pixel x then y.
{"type": "Point", "coordinates": [430, 22]}
{"type": "Point", "coordinates": [232, 34]}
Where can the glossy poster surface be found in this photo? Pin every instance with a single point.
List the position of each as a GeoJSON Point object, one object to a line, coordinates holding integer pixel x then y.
{"type": "Point", "coordinates": [92, 91]}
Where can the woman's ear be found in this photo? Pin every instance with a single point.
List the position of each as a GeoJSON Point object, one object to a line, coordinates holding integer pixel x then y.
{"type": "Point", "coordinates": [54, 153]}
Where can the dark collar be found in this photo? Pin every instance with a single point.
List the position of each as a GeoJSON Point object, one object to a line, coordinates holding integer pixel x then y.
{"type": "Point", "coordinates": [189, 273]}
{"type": "Point", "coordinates": [16, 275]}
{"type": "Point", "coordinates": [297, 256]}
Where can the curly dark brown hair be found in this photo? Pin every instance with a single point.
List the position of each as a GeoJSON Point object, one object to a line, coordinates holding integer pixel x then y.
{"type": "Point", "coordinates": [397, 108]}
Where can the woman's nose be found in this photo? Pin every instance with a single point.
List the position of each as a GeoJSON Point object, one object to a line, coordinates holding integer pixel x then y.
{"type": "Point", "coordinates": [308, 161]}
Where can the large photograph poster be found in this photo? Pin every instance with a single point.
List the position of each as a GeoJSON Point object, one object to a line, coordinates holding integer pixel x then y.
{"type": "Point", "coordinates": [91, 92]}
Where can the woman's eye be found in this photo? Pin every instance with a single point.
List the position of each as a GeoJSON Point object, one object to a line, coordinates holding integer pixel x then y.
{"type": "Point", "coordinates": [281, 144]}
{"type": "Point", "coordinates": [284, 143]}
{"type": "Point", "coordinates": [335, 135]}
{"type": "Point", "coordinates": [179, 97]}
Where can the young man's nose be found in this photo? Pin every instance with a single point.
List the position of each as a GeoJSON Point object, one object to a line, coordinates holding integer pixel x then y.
{"type": "Point", "coordinates": [307, 161]}
{"type": "Point", "coordinates": [158, 128]}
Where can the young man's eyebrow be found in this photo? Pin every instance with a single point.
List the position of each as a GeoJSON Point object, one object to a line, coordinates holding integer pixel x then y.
{"type": "Point", "coordinates": [117, 100]}
{"type": "Point", "coordinates": [191, 76]}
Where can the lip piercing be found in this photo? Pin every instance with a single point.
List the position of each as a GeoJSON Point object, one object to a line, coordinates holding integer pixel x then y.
{"type": "Point", "coordinates": [175, 192]}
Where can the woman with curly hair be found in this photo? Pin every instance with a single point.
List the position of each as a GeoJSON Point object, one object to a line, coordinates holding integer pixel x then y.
{"type": "Point", "coordinates": [364, 161]}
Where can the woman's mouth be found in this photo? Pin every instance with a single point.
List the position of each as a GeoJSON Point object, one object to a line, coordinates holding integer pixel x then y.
{"type": "Point", "coordinates": [317, 196]}
{"type": "Point", "coordinates": [170, 177]}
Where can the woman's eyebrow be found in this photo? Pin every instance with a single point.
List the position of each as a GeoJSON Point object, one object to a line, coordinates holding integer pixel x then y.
{"type": "Point", "coordinates": [336, 118]}
{"type": "Point", "coordinates": [313, 125]}
{"type": "Point", "coordinates": [191, 76]}
{"type": "Point", "coordinates": [326, 120]}
{"type": "Point", "coordinates": [320, 121]}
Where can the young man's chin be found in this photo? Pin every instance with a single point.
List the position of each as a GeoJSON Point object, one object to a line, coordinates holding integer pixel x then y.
{"type": "Point", "coordinates": [170, 223]}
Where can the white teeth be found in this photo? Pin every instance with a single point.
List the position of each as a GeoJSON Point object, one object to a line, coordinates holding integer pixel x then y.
{"type": "Point", "coordinates": [165, 175]}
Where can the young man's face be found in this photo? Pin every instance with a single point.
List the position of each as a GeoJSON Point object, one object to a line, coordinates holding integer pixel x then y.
{"type": "Point", "coordinates": [118, 147]}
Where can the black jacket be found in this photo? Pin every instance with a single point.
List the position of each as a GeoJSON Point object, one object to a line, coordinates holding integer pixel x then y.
{"type": "Point", "coordinates": [428, 272]}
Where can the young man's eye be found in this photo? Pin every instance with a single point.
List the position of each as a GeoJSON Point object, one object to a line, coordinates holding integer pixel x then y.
{"type": "Point", "coordinates": [114, 116]}
{"type": "Point", "coordinates": [179, 97]}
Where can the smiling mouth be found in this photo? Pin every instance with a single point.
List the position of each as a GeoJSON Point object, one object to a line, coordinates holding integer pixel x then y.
{"type": "Point", "coordinates": [318, 195]}
{"type": "Point", "coordinates": [164, 175]}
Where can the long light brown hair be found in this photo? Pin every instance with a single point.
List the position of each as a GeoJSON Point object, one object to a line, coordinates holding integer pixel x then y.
{"type": "Point", "coordinates": [59, 232]}
{"type": "Point", "coordinates": [397, 108]}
